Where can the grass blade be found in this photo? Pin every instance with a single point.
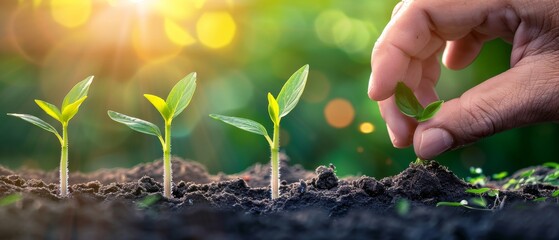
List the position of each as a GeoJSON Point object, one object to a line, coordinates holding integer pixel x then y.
{"type": "Point", "coordinates": [135, 123]}
{"type": "Point", "coordinates": [292, 91]}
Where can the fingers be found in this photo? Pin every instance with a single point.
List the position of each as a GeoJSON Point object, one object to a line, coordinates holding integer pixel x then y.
{"type": "Point", "coordinates": [512, 99]}
{"type": "Point", "coordinates": [420, 28]}
{"type": "Point", "coordinates": [400, 127]}
{"type": "Point", "coordinates": [462, 52]}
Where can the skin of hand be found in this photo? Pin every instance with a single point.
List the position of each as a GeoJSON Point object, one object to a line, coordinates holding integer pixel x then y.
{"type": "Point", "coordinates": [409, 48]}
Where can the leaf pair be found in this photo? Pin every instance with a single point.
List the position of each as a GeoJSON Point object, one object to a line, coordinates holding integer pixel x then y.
{"type": "Point", "coordinates": [410, 106]}
{"type": "Point", "coordinates": [277, 108]}
{"type": "Point", "coordinates": [178, 99]}
{"type": "Point", "coordinates": [70, 106]}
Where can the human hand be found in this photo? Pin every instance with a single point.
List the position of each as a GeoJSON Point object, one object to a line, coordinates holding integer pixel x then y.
{"type": "Point", "coordinates": [408, 51]}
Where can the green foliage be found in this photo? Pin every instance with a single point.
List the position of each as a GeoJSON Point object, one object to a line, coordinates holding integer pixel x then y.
{"type": "Point", "coordinates": [277, 109]}
{"type": "Point", "coordinates": [403, 206]}
{"type": "Point", "coordinates": [178, 99]}
{"type": "Point", "coordinates": [135, 124]}
{"type": "Point", "coordinates": [242, 123]}
{"type": "Point", "coordinates": [10, 199]}
{"type": "Point", "coordinates": [555, 193]}
{"type": "Point", "coordinates": [70, 106]}
{"type": "Point", "coordinates": [410, 106]}
{"type": "Point", "coordinates": [478, 191]}
{"type": "Point", "coordinates": [148, 201]}
{"type": "Point", "coordinates": [501, 175]}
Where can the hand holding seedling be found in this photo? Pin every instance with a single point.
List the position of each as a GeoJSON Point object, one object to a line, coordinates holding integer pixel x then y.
{"type": "Point", "coordinates": [177, 100]}
{"type": "Point", "coordinates": [277, 109]}
{"type": "Point", "coordinates": [70, 106]}
{"type": "Point", "coordinates": [408, 51]}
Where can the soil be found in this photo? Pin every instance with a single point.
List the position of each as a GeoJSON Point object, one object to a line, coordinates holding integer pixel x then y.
{"type": "Point", "coordinates": [128, 204]}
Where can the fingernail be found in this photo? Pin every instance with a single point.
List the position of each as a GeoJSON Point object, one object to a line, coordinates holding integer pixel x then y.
{"type": "Point", "coordinates": [434, 141]}
{"type": "Point", "coordinates": [391, 135]}
{"type": "Point", "coordinates": [370, 87]}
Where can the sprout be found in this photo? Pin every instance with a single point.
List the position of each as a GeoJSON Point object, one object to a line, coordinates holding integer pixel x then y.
{"type": "Point", "coordinates": [177, 100]}
{"type": "Point", "coordinates": [277, 109]}
{"type": "Point", "coordinates": [410, 106]}
{"type": "Point", "coordinates": [70, 106]}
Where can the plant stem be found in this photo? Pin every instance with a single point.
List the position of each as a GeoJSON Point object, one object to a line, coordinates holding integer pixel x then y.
{"type": "Point", "coordinates": [275, 163]}
{"type": "Point", "coordinates": [64, 162]}
{"type": "Point", "coordinates": [167, 171]}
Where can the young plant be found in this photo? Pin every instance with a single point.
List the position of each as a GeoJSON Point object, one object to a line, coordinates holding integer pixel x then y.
{"type": "Point", "coordinates": [70, 106]}
{"type": "Point", "coordinates": [177, 100]}
{"type": "Point", "coordinates": [478, 203]}
{"type": "Point", "coordinates": [410, 106]}
{"type": "Point", "coordinates": [277, 109]}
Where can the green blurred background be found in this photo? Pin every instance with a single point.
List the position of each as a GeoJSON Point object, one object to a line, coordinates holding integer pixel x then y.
{"type": "Point", "coordinates": [241, 50]}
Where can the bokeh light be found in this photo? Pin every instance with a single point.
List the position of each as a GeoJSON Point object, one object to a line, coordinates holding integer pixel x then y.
{"type": "Point", "coordinates": [339, 113]}
{"type": "Point", "coordinates": [71, 13]}
{"type": "Point", "coordinates": [216, 29]}
{"type": "Point", "coordinates": [366, 127]}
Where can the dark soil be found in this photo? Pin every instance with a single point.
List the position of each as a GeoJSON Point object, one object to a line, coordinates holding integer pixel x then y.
{"type": "Point", "coordinates": [127, 204]}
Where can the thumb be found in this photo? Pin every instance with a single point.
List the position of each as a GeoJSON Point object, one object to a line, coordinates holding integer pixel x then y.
{"type": "Point", "coordinates": [517, 97]}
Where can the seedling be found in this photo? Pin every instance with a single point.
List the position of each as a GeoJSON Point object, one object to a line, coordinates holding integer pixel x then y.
{"type": "Point", "coordinates": [10, 199]}
{"type": "Point", "coordinates": [70, 106]}
{"type": "Point", "coordinates": [177, 100]}
{"type": "Point", "coordinates": [478, 203]}
{"type": "Point", "coordinates": [277, 109]}
{"type": "Point", "coordinates": [410, 106]}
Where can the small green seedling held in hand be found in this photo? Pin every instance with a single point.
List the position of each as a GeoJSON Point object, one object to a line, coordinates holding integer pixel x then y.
{"type": "Point", "coordinates": [277, 109]}
{"type": "Point", "coordinates": [410, 106]}
{"type": "Point", "coordinates": [177, 100]}
{"type": "Point", "coordinates": [70, 106]}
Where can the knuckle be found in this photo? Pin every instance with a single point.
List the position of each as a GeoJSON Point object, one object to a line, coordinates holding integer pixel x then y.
{"type": "Point", "coordinates": [479, 117]}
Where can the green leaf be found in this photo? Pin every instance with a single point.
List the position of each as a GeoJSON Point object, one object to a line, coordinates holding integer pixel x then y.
{"type": "Point", "coordinates": [551, 165]}
{"type": "Point", "coordinates": [36, 121]}
{"type": "Point", "coordinates": [527, 173]}
{"type": "Point", "coordinates": [430, 111]}
{"type": "Point", "coordinates": [273, 109]}
{"type": "Point", "coordinates": [540, 199]}
{"type": "Point", "coordinates": [450, 204]}
{"type": "Point", "coordinates": [478, 190]}
{"type": "Point", "coordinates": [407, 102]}
{"type": "Point", "coordinates": [555, 193]}
{"type": "Point", "coordinates": [181, 94]}
{"type": "Point", "coordinates": [160, 105]}
{"type": "Point", "coordinates": [50, 109]}
{"type": "Point", "coordinates": [71, 109]}
{"type": "Point", "coordinates": [493, 193]}
{"type": "Point", "coordinates": [148, 201]}
{"type": "Point", "coordinates": [242, 123]}
{"type": "Point", "coordinates": [77, 92]}
{"type": "Point", "coordinates": [499, 176]}
{"type": "Point", "coordinates": [292, 91]}
{"type": "Point", "coordinates": [10, 199]}
{"type": "Point", "coordinates": [135, 123]}
{"type": "Point", "coordinates": [479, 202]}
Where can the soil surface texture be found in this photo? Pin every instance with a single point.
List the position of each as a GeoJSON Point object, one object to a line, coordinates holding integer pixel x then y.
{"type": "Point", "coordinates": [128, 204]}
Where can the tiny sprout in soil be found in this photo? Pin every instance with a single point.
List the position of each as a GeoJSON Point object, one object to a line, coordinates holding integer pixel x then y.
{"type": "Point", "coordinates": [479, 202]}
{"type": "Point", "coordinates": [70, 106]}
{"type": "Point", "coordinates": [177, 100]}
{"type": "Point", "coordinates": [410, 106]}
{"type": "Point", "coordinates": [277, 109]}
